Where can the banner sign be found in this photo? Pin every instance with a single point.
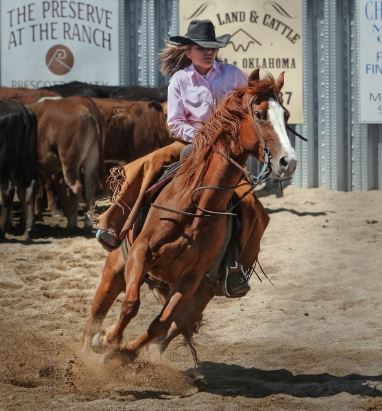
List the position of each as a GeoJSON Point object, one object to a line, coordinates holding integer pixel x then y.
{"type": "Point", "coordinates": [264, 34]}
{"type": "Point", "coordinates": [46, 42]}
{"type": "Point", "coordinates": [370, 61]}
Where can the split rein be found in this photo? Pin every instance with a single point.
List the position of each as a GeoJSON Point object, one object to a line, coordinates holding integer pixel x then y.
{"type": "Point", "coordinates": [252, 180]}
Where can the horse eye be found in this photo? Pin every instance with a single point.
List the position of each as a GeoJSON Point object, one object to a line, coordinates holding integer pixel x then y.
{"type": "Point", "coordinates": [261, 115]}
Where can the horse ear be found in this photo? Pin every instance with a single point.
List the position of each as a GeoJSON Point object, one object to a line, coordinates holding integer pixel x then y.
{"type": "Point", "coordinates": [254, 76]}
{"type": "Point", "coordinates": [156, 106]}
{"type": "Point", "coordinates": [280, 81]}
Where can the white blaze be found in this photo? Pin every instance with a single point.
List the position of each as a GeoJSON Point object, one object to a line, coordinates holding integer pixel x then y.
{"type": "Point", "coordinates": [276, 117]}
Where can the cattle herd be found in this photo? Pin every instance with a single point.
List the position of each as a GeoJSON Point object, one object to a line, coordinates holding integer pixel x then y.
{"type": "Point", "coordinates": [57, 143]}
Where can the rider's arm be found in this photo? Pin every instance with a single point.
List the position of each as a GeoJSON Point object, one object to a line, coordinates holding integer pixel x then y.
{"type": "Point", "coordinates": [242, 79]}
{"type": "Point", "coordinates": [190, 106]}
{"type": "Point", "coordinates": [231, 77]}
{"type": "Point", "coordinates": [239, 78]}
{"type": "Point", "coordinates": [176, 116]}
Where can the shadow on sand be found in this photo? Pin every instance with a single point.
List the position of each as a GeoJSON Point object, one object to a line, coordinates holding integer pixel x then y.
{"type": "Point", "coordinates": [297, 213]}
{"type": "Point", "coordinates": [45, 229]}
{"type": "Point", "coordinates": [226, 379]}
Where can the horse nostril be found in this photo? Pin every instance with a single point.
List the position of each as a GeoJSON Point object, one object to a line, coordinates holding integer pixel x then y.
{"type": "Point", "coordinates": [284, 161]}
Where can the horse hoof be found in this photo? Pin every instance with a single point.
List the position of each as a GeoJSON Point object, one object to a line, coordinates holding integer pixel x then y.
{"type": "Point", "coordinates": [26, 238]}
{"type": "Point", "coordinates": [86, 346]}
{"type": "Point", "coordinates": [155, 352]}
{"type": "Point", "coordinates": [110, 357]}
{"type": "Point", "coordinates": [128, 355]}
{"type": "Point", "coordinates": [96, 343]}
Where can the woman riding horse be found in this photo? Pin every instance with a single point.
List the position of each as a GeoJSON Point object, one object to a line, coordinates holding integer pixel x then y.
{"type": "Point", "coordinates": [179, 244]}
{"type": "Point", "coordinates": [199, 83]}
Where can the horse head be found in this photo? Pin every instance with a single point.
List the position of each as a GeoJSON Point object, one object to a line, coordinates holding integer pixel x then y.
{"type": "Point", "coordinates": [264, 124]}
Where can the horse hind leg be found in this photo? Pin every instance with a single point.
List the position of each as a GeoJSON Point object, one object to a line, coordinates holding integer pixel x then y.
{"type": "Point", "coordinates": [188, 321]}
{"type": "Point", "coordinates": [164, 341]}
{"type": "Point", "coordinates": [177, 301]}
{"type": "Point", "coordinates": [161, 294]}
{"type": "Point", "coordinates": [111, 285]}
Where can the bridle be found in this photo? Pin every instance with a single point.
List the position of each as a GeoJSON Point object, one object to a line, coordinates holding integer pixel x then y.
{"type": "Point", "coordinates": [251, 179]}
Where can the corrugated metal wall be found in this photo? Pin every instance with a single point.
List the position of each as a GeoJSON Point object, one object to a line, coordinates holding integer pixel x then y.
{"type": "Point", "coordinates": [145, 24]}
{"type": "Point", "coordinates": [341, 153]}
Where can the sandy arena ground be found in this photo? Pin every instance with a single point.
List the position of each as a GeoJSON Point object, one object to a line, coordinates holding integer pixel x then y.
{"type": "Point", "coordinates": [310, 342]}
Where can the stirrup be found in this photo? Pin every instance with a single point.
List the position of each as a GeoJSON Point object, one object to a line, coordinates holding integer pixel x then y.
{"type": "Point", "coordinates": [235, 281]}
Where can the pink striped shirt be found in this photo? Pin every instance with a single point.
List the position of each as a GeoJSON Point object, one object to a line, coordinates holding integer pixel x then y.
{"type": "Point", "coordinates": [192, 97]}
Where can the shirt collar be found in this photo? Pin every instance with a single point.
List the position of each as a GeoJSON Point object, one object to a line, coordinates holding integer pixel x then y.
{"type": "Point", "coordinates": [192, 72]}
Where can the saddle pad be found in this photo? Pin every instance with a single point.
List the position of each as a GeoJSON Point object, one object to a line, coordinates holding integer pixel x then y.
{"type": "Point", "coordinates": [167, 175]}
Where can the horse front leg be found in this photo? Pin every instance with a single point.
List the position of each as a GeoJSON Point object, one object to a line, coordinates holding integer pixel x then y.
{"type": "Point", "coordinates": [111, 285]}
{"type": "Point", "coordinates": [135, 269]}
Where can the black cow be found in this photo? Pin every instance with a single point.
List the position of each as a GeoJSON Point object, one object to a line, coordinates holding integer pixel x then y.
{"type": "Point", "coordinates": [136, 93]}
{"type": "Point", "coordinates": [78, 88]}
{"type": "Point", "coordinates": [18, 163]}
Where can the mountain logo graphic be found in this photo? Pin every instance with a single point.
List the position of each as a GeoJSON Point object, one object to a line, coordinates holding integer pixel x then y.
{"type": "Point", "coordinates": [242, 40]}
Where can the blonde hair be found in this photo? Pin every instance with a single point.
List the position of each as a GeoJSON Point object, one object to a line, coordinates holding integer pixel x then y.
{"type": "Point", "coordinates": [173, 58]}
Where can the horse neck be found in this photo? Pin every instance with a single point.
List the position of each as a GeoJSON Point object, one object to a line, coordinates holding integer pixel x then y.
{"type": "Point", "coordinates": [220, 173]}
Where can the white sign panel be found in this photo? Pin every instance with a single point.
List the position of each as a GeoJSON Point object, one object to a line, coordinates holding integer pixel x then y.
{"type": "Point", "coordinates": [370, 65]}
{"type": "Point", "coordinates": [264, 34]}
{"type": "Point", "coordinates": [46, 42]}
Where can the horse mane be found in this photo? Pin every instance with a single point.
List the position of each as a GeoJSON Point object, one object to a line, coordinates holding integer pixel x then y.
{"type": "Point", "coordinates": [223, 127]}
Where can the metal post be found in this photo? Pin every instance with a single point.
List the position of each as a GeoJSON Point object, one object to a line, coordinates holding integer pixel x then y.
{"type": "Point", "coordinates": [122, 43]}
{"type": "Point", "coordinates": [306, 175]}
{"type": "Point", "coordinates": [174, 29]}
{"type": "Point", "coordinates": [379, 159]}
{"type": "Point", "coordinates": [152, 49]}
{"type": "Point", "coordinates": [358, 131]}
{"type": "Point", "coordinates": [144, 43]}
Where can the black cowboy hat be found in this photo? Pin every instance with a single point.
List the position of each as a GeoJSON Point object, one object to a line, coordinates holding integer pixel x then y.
{"type": "Point", "coordinates": [202, 33]}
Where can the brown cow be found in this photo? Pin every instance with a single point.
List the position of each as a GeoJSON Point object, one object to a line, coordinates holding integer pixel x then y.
{"type": "Point", "coordinates": [24, 95]}
{"type": "Point", "coordinates": [133, 128]}
{"type": "Point", "coordinates": [70, 139]}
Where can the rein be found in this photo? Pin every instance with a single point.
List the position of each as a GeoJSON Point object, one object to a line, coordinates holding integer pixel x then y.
{"type": "Point", "coordinates": [252, 180]}
{"type": "Point", "coordinates": [295, 132]}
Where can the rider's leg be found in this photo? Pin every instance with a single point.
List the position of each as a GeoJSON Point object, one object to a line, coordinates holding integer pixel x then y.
{"type": "Point", "coordinates": [245, 244]}
{"type": "Point", "coordinates": [254, 221]}
{"type": "Point", "coordinates": [138, 176]}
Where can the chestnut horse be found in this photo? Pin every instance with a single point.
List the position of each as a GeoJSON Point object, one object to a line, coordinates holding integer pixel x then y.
{"type": "Point", "coordinates": [178, 243]}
